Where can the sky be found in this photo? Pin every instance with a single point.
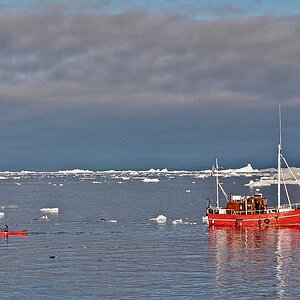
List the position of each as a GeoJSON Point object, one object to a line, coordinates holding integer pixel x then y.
{"type": "Point", "coordinates": [142, 84]}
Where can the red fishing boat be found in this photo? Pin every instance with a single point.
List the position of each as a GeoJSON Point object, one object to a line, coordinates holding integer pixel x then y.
{"type": "Point", "coordinates": [254, 210]}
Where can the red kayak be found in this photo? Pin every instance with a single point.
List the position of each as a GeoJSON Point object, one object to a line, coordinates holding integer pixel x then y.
{"type": "Point", "coordinates": [4, 233]}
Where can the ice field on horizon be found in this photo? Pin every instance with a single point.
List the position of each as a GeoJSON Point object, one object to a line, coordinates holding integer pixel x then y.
{"type": "Point", "coordinates": [262, 177]}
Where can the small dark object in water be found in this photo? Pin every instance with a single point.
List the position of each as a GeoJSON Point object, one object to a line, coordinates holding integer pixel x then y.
{"type": "Point", "coordinates": [52, 256]}
{"type": "Point", "coordinates": [102, 219]}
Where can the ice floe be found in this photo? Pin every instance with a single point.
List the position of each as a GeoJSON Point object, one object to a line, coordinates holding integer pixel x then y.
{"type": "Point", "coordinates": [75, 171]}
{"type": "Point", "coordinates": [149, 180]}
{"type": "Point", "coordinates": [183, 222]}
{"type": "Point", "coordinates": [252, 183]}
{"type": "Point", "coordinates": [52, 210]}
{"type": "Point", "coordinates": [161, 219]}
{"type": "Point", "coordinates": [150, 175]}
{"type": "Point", "coordinates": [268, 180]}
{"type": "Point", "coordinates": [247, 169]}
{"type": "Point", "coordinates": [108, 221]}
{"type": "Point", "coordinates": [9, 206]}
{"type": "Point", "coordinates": [157, 170]}
{"type": "Point", "coordinates": [177, 222]}
{"type": "Point", "coordinates": [205, 219]}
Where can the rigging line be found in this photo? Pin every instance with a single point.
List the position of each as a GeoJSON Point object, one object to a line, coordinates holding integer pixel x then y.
{"type": "Point", "coordinates": [290, 169]}
{"type": "Point", "coordinates": [217, 183]}
{"type": "Point", "coordinates": [286, 190]}
{"type": "Point", "coordinates": [223, 191]}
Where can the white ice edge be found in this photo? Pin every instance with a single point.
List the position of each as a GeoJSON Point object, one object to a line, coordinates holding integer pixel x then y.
{"type": "Point", "coordinates": [52, 210]}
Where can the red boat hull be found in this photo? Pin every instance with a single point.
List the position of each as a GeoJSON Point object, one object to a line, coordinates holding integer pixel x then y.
{"type": "Point", "coordinates": [287, 218]}
{"type": "Point", "coordinates": [3, 233]}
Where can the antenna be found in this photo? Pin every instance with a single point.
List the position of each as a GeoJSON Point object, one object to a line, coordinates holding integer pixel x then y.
{"type": "Point", "coordinates": [280, 124]}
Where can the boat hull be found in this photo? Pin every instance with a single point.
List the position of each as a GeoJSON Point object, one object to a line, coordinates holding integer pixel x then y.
{"type": "Point", "coordinates": [3, 233]}
{"type": "Point", "coordinates": [286, 218]}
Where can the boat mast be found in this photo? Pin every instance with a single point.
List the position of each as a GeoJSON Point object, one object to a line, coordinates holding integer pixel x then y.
{"type": "Point", "coordinates": [217, 183]}
{"type": "Point", "coordinates": [279, 160]}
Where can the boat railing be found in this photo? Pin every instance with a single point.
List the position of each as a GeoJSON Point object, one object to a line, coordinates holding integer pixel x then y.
{"type": "Point", "coordinates": [293, 206]}
{"type": "Point", "coordinates": [225, 211]}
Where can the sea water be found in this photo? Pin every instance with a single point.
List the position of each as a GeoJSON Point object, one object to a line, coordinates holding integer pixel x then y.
{"type": "Point", "coordinates": [102, 244]}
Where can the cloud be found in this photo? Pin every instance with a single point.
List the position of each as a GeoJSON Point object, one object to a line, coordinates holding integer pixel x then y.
{"type": "Point", "coordinates": [213, 10]}
{"type": "Point", "coordinates": [140, 62]}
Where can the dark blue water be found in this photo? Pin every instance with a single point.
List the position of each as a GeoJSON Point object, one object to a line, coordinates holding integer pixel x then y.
{"type": "Point", "coordinates": [135, 258]}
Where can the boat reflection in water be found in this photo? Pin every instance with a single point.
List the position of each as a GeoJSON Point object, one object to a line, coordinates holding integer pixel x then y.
{"type": "Point", "coordinates": [255, 263]}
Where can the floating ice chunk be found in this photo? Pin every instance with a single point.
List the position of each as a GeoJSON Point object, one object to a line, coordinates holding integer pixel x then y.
{"type": "Point", "coordinates": [201, 176]}
{"type": "Point", "coordinates": [2, 177]}
{"type": "Point", "coordinates": [18, 183]}
{"type": "Point", "coordinates": [1, 214]}
{"type": "Point", "coordinates": [75, 171]}
{"type": "Point", "coordinates": [259, 183]}
{"type": "Point", "coordinates": [133, 173]}
{"type": "Point", "coordinates": [165, 170]}
{"type": "Point", "coordinates": [177, 222]}
{"type": "Point", "coordinates": [250, 183]}
{"type": "Point", "coordinates": [44, 217]}
{"type": "Point", "coordinates": [26, 172]}
{"type": "Point", "coordinates": [148, 180]}
{"type": "Point", "coordinates": [160, 219]}
{"type": "Point", "coordinates": [61, 184]}
{"type": "Point", "coordinates": [205, 219]}
{"type": "Point", "coordinates": [108, 221]}
{"type": "Point", "coordinates": [153, 170]}
{"type": "Point", "coordinates": [11, 206]}
{"type": "Point", "coordinates": [247, 169]}
{"type": "Point", "coordinates": [110, 171]}
{"type": "Point", "coordinates": [53, 210]}
{"type": "Point", "coordinates": [187, 191]}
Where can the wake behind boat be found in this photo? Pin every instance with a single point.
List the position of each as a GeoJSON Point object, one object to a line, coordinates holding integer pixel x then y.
{"type": "Point", "coordinates": [254, 210]}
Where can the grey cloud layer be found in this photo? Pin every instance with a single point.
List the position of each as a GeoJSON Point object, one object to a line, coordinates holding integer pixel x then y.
{"type": "Point", "coordinates": [146, 61]}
